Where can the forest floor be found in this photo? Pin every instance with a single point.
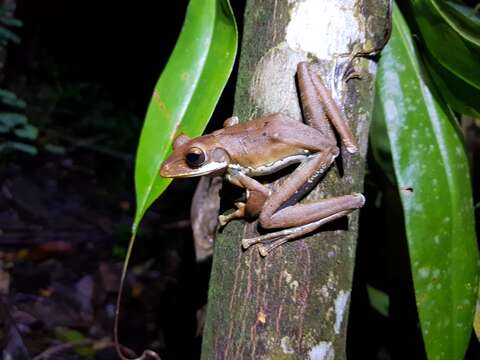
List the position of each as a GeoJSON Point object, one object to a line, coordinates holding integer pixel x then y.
{"type": "Point", "coordinates": [63, 237]}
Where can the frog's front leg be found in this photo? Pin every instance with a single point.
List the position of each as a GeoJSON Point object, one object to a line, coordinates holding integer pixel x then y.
{"type": "Point", "coordinates": [256, 195]}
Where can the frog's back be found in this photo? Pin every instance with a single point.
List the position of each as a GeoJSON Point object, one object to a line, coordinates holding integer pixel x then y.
{"type": "Point", "coordinates": [265, 123]}
{"type": "Point", "coordinates": [268, 139]}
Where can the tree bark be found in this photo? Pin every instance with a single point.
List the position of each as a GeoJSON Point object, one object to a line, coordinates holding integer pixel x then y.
{"type": "Point", "coordinates": [294, 302]}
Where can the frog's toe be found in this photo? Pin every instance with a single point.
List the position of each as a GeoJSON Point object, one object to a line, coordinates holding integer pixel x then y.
{"type": "Point", "coordinates": [239, 213]}
{"type": "Point", "coordinates": [223, 220]}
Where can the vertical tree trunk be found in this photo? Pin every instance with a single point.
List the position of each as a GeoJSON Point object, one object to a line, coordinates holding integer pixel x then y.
{"type": "Point", "coordinates": [294, 303]}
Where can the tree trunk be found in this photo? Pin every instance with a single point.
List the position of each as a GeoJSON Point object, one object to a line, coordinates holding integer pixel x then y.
{"type": "Point", "coordinates": [294, 302]}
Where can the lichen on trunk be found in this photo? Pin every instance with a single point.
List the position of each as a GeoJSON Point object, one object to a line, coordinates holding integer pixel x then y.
{"type": "Point", "coordinates": [294, 302]}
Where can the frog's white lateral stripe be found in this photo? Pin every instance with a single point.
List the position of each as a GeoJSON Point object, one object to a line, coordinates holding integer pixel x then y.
{"type": "Point", "coordinates": [271, 168]}
{"type": "Point", "coordinates": [207, 169]}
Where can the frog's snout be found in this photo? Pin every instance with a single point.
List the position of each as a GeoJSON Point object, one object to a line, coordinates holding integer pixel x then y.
{"type": "Point", "coordinates": [165, 170]}
{"type": "Point", "coordinates": [173, 168]}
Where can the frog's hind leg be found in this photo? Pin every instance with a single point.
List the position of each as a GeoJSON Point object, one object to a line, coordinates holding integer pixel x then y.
{"type": "Point", "coordinates": [273, 240]}
{"type": "Point", "coordinates": [324, 211]}
{"type": "Point", "coordinates": [301, 219]}
{"type": "Point", "coordinates": [317, 101]}
{"type": "Point", "coordinates": [313, 109]}
{"type": "Point", "coordinates": [280, 209]}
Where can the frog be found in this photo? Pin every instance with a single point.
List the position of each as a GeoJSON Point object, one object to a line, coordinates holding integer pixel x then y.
{"type": "Point", "coordinates": [241, 152]}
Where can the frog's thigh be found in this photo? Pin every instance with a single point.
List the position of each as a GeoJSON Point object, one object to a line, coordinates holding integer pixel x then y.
{"type": "Point", "coordinates": [254, 204]}
{"type": "Point", "coordinates": [298, 134]}
{"type": "Point", "coordinates": [301, 214]}
{"type": "Point", "coordinates": [298, 183]}
{"type": "Point", "coordinates": [281, 237]}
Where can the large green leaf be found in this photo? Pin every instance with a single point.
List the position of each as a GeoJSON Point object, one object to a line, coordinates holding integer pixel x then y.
{"type": "Point", "coordinates": [10, 99]}
{"type": "Point", "coordinates": [433, 179]}
{"type": "Point", "coordinates": [186, 93]}
{"type": "Point", "coordinates": [451, 31]}
{"type": "Point", "coordinates": [460, 96]}
{"type": "Point", "coordinates": [464, 19]}
{"type": "Point", "coordinates": [450, 47]}
{"type": "Point", "coordinates": [183, 101]}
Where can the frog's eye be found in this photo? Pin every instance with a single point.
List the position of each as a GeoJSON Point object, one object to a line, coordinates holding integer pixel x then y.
{"type": "Point", "coordinates": [195, 157]}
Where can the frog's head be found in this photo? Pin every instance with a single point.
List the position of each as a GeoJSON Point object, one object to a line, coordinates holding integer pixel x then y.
{"type": "Point", "coordinates": [195, 157]}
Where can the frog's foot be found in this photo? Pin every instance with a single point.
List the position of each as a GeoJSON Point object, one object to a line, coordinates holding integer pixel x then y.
{"type": "Point", "coordinates": [239, 213]}
{"type": "Point", "coordinates": [273, 240]}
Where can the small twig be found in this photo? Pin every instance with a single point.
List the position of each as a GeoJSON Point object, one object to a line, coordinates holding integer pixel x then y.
{"type": "Point", "coordinates": [119, 347]}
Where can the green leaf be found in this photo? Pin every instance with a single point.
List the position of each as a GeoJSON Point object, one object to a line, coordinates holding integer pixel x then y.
{"type": "Point", "coordinates": [9, 98]}
{"type": "Point", "coordinates": [462, 18]}
{"type": "Point", "coordinates": [183, 100]}
{"type": "Point", "coordinates": [14, 145]}
{"type": "Point", "coordinates": [55, 149]}
{"type": "Point", "coordinates": [8, 36]}
{"type": "Point", "coordinates": [11, 120]}
{"type": "Point", "coordinates": [476, 320]}
{"type": "Point", "coordinates": [433, 179]}
{"type": "Point", "coordinates": [460, 96]}
{"type": "Point", "coordinates": [9, 21]}
{"type": "Point", "coordinates": [186, 93]}
{"type": "Point", "coordinates": [68, 335]}
{"type": "Point", "coordinates": [446, 44]}
{"type": "Point", "coordinates": [28, 131]}
{"type": "Point", "coordinates": [379, 300]}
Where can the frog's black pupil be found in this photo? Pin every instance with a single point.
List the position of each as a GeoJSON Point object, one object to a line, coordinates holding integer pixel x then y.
{"type": "Point", "coordinates": [195, 159]}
